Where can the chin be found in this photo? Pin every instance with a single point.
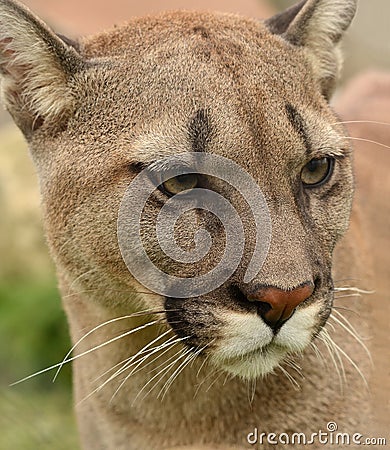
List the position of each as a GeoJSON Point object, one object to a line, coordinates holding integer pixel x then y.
{"type": "Point", "coordinates": [256, 364]}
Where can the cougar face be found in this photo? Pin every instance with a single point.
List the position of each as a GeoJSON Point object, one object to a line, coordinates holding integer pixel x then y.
{"type": "Point", "coordinates": [255, 94]}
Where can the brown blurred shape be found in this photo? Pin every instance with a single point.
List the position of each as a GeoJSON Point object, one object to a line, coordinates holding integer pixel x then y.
{"type": "Point", "coordinates": [88, 16]}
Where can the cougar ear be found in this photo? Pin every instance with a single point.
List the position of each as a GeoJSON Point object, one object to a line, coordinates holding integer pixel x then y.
{"type": "Point", "coordinates": [317, 26]}
{"type": "Point", "coordinates": [36, 67]}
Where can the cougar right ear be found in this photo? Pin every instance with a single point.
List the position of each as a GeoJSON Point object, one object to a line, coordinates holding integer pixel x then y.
{"type": "Point", "coordinates": [317, 26]}
{"type": "Point", "coordinates": [36, 68]}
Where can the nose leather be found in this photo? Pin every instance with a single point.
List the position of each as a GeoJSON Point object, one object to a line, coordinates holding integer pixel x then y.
{"type": "Point", "coordinates": [276, 305]}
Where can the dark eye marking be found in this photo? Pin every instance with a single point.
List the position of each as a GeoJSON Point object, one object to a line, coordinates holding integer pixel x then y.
{"type": "Point", "coordinates": [199, 131]}
{"type": "Point", "coordinates": [299, 126]}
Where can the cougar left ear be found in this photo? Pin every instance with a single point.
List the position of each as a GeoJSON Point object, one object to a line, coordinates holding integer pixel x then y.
{"type": "Point", "coordinates": [317, 26]}
{"type": "Point", "coordinates": [36, 69]}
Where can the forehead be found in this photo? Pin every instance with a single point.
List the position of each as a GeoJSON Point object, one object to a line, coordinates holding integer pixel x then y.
{"type": "Point", "coordinates": [199, 55]}
{"type": "Point", "coordinates": [201, 80]}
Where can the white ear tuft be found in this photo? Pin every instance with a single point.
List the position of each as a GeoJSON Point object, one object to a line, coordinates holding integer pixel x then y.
{"type": "Point", "coordinates": [317, 26]}
{"type": "Point", "coordinates": [35, 67]}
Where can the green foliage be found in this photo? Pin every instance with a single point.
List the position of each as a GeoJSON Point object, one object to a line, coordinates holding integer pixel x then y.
{"type": "Point", "coordinates": [33, 330]}
{"type": "Point", "coordinates": [35, 414]}
{"type": "Point", "coordinates": [36, 420]}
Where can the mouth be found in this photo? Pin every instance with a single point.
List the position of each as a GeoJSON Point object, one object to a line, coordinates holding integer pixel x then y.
{"type": "Point", "coordinates": [255, 350]}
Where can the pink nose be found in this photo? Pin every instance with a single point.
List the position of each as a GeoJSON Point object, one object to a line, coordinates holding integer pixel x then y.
{"type": "Point", "coordinates": [277, 305]}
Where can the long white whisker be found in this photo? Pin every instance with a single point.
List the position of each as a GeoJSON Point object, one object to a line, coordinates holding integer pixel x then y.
{"type": "Point", "coordinates": [352, 363]}
{"type": "Point", "coordinates": [346, 321]}
{"type": "Point", "coordinates": [167, 346]}
{"type": "Point", "coordinates": [79, 278]}
{"type": "Point", "coordinates": [252, 390]}
{"type": "Point", "coordinates": [162, 371]}
{"type": "Point", "coordinates": [180, 369]}
{"type": "Point", "coordinates": [146, 349]}
{"type": "Point", "coordinates": [291, 363]}
{"type": "Point", "coordinates": [209, 375]}
{"type": "Point", "coordinates": [108, 322]}
{"type": "Point", "coordinates": [128, 362]}
{"type": "Point", "coordinates": [361, 121]}
{"type": "Point", "coordinates": [112, 377]}
{"type": "Point", "coordinates": [163, 391]}
{"type": "Point", "coordinates": [325, 338]}
{"type": "Point", "coordinates": [353, 333]}
{"type": "Point", "coordinates": [97, 347]}
{"type": "Point", "coordinates": [291, 379]}
{"type": "Point", "coordinates": [352, 289]}
{"type": "Point", "coordinates": [135, 370]}
{"type": "Point", "coordinates": [318, 353]}
{"type": "Point", "coordinates": [342, 308]}
{"type": "Point", "coordinates": [367, 140]}
{"type": "Point", "coordinates": [221, 372]}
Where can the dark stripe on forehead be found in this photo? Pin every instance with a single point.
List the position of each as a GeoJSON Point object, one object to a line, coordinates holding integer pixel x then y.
{"type": "Point", "coordinates": [199, 131]}
{"type": "Point", "coordinates": [298, 124]}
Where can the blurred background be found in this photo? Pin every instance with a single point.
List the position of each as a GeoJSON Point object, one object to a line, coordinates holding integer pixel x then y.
{"type": "Point", "coordinates": [37, 414]}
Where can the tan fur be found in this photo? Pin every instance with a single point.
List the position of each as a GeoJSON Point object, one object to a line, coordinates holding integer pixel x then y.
{"type": "Point", "coordinates": [135, 91]}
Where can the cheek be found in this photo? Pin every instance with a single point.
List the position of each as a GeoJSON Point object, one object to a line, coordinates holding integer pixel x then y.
{"type": "Point", "coordinates": [331, 214]}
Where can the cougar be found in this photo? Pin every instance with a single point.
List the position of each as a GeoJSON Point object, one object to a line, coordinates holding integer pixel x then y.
{"type": "Point", "coordinates": [195, 186]}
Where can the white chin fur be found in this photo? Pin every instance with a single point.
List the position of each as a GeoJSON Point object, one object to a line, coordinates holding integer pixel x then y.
{"type": "Point", "coordinates": [255, 364]}
{"type": "Point", "coordinates": [249, 348]}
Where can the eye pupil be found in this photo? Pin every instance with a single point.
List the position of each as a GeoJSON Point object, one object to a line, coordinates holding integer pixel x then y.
{"type": "Point", "coordinates": [313, 165]}
{"type": "Point", "coordinates": [317, 172]}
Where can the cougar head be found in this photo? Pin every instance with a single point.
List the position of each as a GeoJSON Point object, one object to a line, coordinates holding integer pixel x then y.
{"type": "Point", "coordinates": [192, 108]}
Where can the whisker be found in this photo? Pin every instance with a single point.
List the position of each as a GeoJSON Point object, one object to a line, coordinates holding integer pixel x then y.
{"type": "Point", "coordinates": [108, 322]}
{"type": "Point", "coordinates": [352, 289]}
{"type": "Point", "coordinates": [209, 375]}
{"type": "Point", "coordinates": [163, 371]}
{"type": "Point", "coordinates": [136, 369]}
{"type": "Point", "coordinates": [291, 363]}
{"type": "Point", "coordinates": [346, 321]}
{"type": "Point", "coordinates": [128, 362]}
{"type": "Point", "coordinates": [189, 358]}
{"type": "Point", "coordinates": [115, 291]}
{"type": "Point", "coordinates": [343, 308]}
{"type": "Point", "coordinates": [370, 141]}
{"type": "Point", "coordinates": [325, 338]}
{"type": "Point", "coordinates": [205, 359]}
{"type": "Point", "coordinates": [79, 278]}
{"type": "Point", "coordinates": [290, 378]}
{"type": "Point", "coordinates": [352, 363]}
{"type": "Point", "coordinates": [97, 347]}
{"type": "Point", "coordinates": [251, 390]}
{"type": "Point", "coordinates": [221, 372]}
{"type": "Point", "coordinates": [353, 333]}
{"type": "Point", "coordinates": [171, 342]}
{"type": "Point", "coordinates": [374, 122]}
{"type": "Point", "coordinates": [318, 353]}
{"type": "Point", "coordinates": [229, 377]}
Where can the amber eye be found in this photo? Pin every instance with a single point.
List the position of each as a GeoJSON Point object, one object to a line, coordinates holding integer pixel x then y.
{"type": "Point", "coordinates": [317, 172]}
{"type": "Point", "coordinates": [180, 183]}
